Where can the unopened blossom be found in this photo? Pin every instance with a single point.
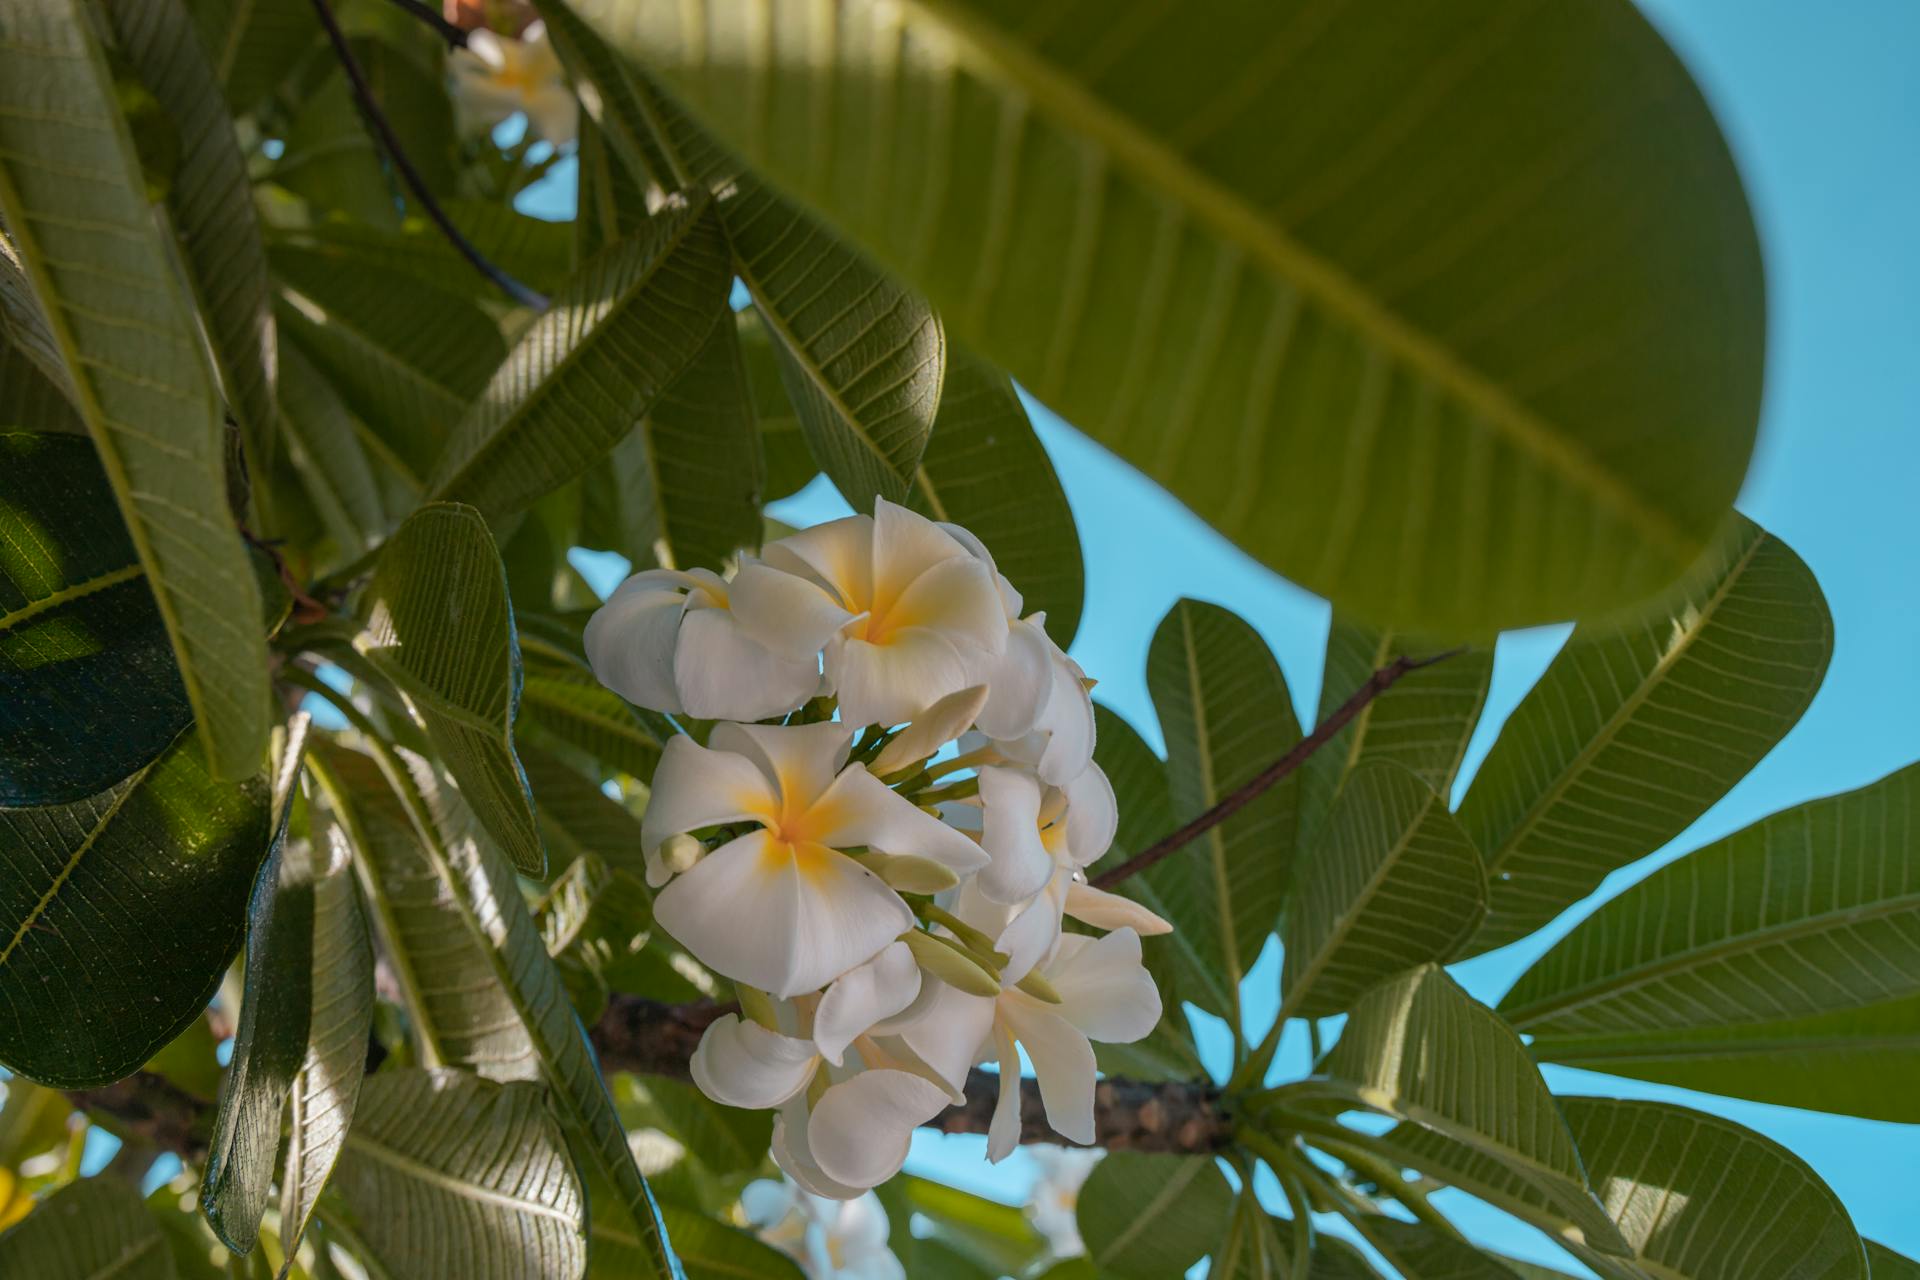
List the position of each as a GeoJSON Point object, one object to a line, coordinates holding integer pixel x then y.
{"type": "Point", "coordinates": [782, 907]}
{"type": "Point", "coordinates": [830, 1239]}
{"type": "Point", "coordinates": [1053, 1204]}
{"type": "Point", "coordinates": [667, 640]}
{"type": "Point", "coordinates": [496, 76]}
{"type": "Point", "coordinates": [904, 613]}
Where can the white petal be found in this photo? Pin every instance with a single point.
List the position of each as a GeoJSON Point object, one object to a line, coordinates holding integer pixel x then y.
{"type": "Point", "coordinates": [630, 640]}
{"type": "Point", "coordinates": [742, 1064]}
{"type": "Point", "coordinates": [790, 1151]}
{"type": "Point", "coordinates": [1067, 720]}
{"type": "Point", "coordinates": [695, 786]}
{"type": "Point", "coordinates": [1009, 598]}
{"type": "Point", "coordinates": [1103, 989]}
{"type": "Point", "coordinates": [1010, 833]}
{"type": "Point", "coordinates": [1029, 937]}
{"type": "Point", "coordinates": [860, 1231]}
{"type": "Point", "coordinates": [1105, 910]}
{"type": "Point", "coordinates": [488, 48]}
{"type": "Point", "coordinates": [861, 1128]}
{"type": "Point", "coordinates": [721, 673]}
{"type": "Point", "coordinates": [838, 554]}
{"type": "Point", "coordinates": [791, 615]}
{"type": "Point", "coordinates": [955, 597]}
{"type": "Point", "coordinates": [1003, 1131]}
{"type": "Point", "coordinates": [863, 997]}
{"type": "Point", "coordinates": [1062, 1063]}
{"type": "Point", "coordinates": [860, 810]}
{"type": "Point", "coordinates": [768, 1201]}
{"type": "Point", "coordinates": [1093, 816]}
{"type": "Point", "coordinates": [952, 1034]}
{"type": "Point", "coordinates": [786, 921]}
{"type": "Point", "coordinates": [932, 729]}
{"type": "Point", "coordinates": [906, 544]}
{"type": "Point", "coordinates": [892, 683]}
{"type": "Point", "coordinates": [1021, 680]}
{"type": "Point", "coordinates": [800, 760]}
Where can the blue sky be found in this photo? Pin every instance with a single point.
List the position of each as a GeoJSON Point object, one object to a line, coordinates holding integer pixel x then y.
{"type": "Point", "coordinates": [1823, 109]}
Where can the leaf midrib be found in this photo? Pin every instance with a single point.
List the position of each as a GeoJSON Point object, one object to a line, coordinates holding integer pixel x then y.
{"type": "Point", "coordinates": [1216, 842]}
{"type": "Point", "coordinates": [93, 836]}
{"type": "Point", "coordinates": [70, 593]}
{"type": "Point", "coordinates": [997, 58]}
{"type": "Point", "coordinates": [1170, 1189]}
{"type": "Point", "coordinates": [1344, 924]}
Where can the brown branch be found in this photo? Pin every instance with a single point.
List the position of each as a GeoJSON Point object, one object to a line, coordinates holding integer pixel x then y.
{"type": "Point", "coordinates": [1377, 683]}
{"type": "Point", "coordinates": [651, 1038]}
{"type": "Point", "coordinates": [377, 121]}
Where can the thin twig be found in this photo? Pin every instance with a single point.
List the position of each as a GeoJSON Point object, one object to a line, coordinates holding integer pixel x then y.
{"type": "Point", "coordinates": [363, 93]}
{"type": "Point", "coordinates": [452, 33]}
{"type": "Point", "coordinates": [1377, 683]}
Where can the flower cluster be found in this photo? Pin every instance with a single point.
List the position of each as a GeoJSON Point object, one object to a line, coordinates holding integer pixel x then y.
{"type": "Point", "coordinates": [496, 77]}
{"type": "Point", "coordinates": [891, 913]}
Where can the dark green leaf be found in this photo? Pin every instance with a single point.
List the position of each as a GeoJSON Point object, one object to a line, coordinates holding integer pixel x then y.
{"type": "Point", "coordinates": [254, 43]}
{"type": "Point", "coordinates": [1638, 727]}
{"type": "Point", "coordinates": [1151, 1217]}
{"type": "Point", "coordinates": [442, 629]}
{"type": "Point", "coordinates": [324, 442]}
{"type": "Point", "coordinates": [578, 710]}
{"type": "Point", "coordinates": [790, 464]}
{"type": "Point", "coordinates": [106, 282]}
{"type": "Point", "coordinates": [93, 1229]}
{"type": "Point", "coordinates": [708, 1249]}
{"type": "Point", "coordinates": [726, 1140]}
{"type": "Point", "coordinates": [119, 914]}
{"type": "Point", "coordinates": [88, 687]}
{"type": "Point", "coordinates": [1885, 1264]}
{"type": "Point", "coordinates": [990, 1233]}
{"type": "Point", "coordinates": [29, 399]}
{"type": "Point", "coordinates": [1418, 1252]}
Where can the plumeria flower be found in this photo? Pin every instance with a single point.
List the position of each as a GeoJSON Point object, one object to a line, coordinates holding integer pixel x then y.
{"type": "Point", "coordinates": [1105, 994]}
{"type": "Point", "coordinates": [783, 907]}
{"type": "Point", "coordinates": [496, 76]}
{"type": "Point", "coordinates": [831, 1240]}
{"type": "Point", "coordinates": [905, 613]}
{"type": "Point", "coordinates": [1029, 828]}
{"type": "Point", "coordinates": [667, 640]}
{"type": "Point", "coordinates": [1055, 1199]}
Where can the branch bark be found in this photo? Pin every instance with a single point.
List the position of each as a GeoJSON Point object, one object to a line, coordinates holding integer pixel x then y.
{"type": "Point", "coordinates": [648, 1037]}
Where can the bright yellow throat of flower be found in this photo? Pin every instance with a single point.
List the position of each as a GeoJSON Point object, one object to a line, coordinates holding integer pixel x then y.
{"type": "Point", "coordinates": [793, 839]}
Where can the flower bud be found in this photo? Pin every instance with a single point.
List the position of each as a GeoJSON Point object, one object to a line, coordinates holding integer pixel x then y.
{"type": "Point", "coordinates": [679, 853]}
{"type": "Point", "coordinates": [1038, 987]}
{"type": "Point", "coordinates": [906, 873]}
{"type": "Point", "coordinates": [947, 961]}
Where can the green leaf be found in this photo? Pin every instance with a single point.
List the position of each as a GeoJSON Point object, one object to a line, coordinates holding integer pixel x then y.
{"type": "Point", "coordinates": [1637, 728]}
{"type": "Point", "coordinates": [1451, 429]}
{"type": "Point", "coordinates": [88, 687]}
{"type": "Point", "coordinates": [578, 818]}
{"type": "Point", "coordinates": [119, 914]}
{"type": "Point", "coordinates": [726, 1140]}
{"type": "Point", "coordinates": [616, 338]}
{"type": "Point", "coordinates": [1149, 1217]}
{"type": "Point", "coordinates": [326, 1089]}
{"type": "Point", "coordinates": [103, 275]}
{"type": "Point", "coordinates": [531, 250]}
{"type": "Point", "coordinates": [578, 710]}
{"type": "Point", "coordinates": [254, 43]}
{"type": "Point", "coordinates": [1812, 911]}
{"type": "Point", "coordinates": [442, 630]}
{"type": "Point", "coordinates": [1392, 883]}
{"type": "Point", "coordinates": [92, 1229]}
{"type": "Point", "coordinates": [1422, 1050]}
{"type": "Point", "coordinates": [29, 399]}
{"type": "Point", "coordinates": [790, 465]}
{"type": "Point", "coordinates": [211, 201]}
{"type": "Point", "coordinates": [595, 920]}
{"type": "Point", "coordinates": [682, 489]}
{"type": "Point", "coordinates": [29, 340]}
{"type": "Point", "coordinates": [861, 356]}
{"type": "Point", "coordinates": [1418, 1252]}
{"type": "Point", "coordinates": [1423, 722]}
{"type": "Point", "coordinates": [708, 1249]}
{"type": "Point", "coordinates": [986, 470]}
{"type": "Point", "coordinates": [324, 444]}
{"type": "Point", "coordinates": [1885, 1264]}
{"type": "Point", "coordinates": [998, 1236]}
{"type": "Point", "coordinates": [1225, 714]}
{"type": "Point", "coordinates": [1701, 1198]}
{"type": "Point", "coordinates": [453, 1176]}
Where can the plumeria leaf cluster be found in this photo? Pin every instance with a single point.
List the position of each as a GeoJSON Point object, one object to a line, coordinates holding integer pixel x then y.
{"type": "Point", "coordinates": [386, 892]}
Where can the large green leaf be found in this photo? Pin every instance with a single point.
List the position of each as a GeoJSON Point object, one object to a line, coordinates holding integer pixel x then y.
{"type": "Point", "coordinates": [1225, 714]}
{"type": "Point", "coordinates": [532, 250]}
{"type": "Point", "coordinates": [452, 1177]}
{"type": "Point", "coordinates": [254, 43]}
{"type": "Point", "coordinates": [997, 1235]}
{"type": "Point", "coordinates": [1420, 1049]}
{"type": "Point", "coordinates": [790, 464]}
{"type": "Point", "coordinates": [29, 340]}
{"type": "Point", "coordinates": [211, 201]}
{"type": "Point", "coordinates": [1885, 1264]}
{"type": "Point", "coordinates": [1393, 882]}
{"type": "Point", "coordinates": [985, 469]}
{"type": "Point", "coordinates": [1857, 1062]}
{"type": "Point", "coordinates": [73, 199]}
{"type": "Point", "coordinates": [1458, 381]}
{"type": "Point", "coordinates": [1638, 727]}
{"type": "Point", "coordinates": [1424, 721]}
{"type": "Point", "coordinates": [326, 1089]}
{"type": "Point", "coordinates": [1149, 1217]}
{"type": "Point", "coordinates": [861, 356]}
{"type": "Point", "coordinates": [578, 818]}
{"type": "Point", "coordinates": [683, 488]}
{"type": "Point", "coordinates": [93, 1229]}
{"type": "Point", "coordinates": [1812, 911]}
{"type": "Point", "coordinates": [328, 456]}
{"type": "Point", "coordinates": [119, 914]}
{"type": "Point", "coordinates": [709, 1250]}
{"type": "Point", "coordinates": [615, 339]}
{"type": "Point", "coordinates": [29, 400]}
{"type": "Point", "coordinates": [579, 711]}
{"type": "Point", "coordinates": [442, 629]}
{"type": "Point", "coordinates": [1701, 1198]}
{"type": "Point", "coordinates": [88, 687]}
{"type": "Point", "coordinates": [1417, 1251]}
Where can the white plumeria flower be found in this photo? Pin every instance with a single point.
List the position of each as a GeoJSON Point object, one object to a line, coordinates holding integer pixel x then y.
{"type": "Point", "coordinates": [1052, 1205]}
{"type": "Point", "coordinates": [905, 614]}
{"type": "Point", "coordinates": [831, 1240]}
{"type": "Point", "coordinates": [1105, 995]}
{"type": "Point", "coordinates": [782, 908]}
{"type": "Point", "coordinates": [1029, 828]}
{"type": "Point", "coordinates": [667, 640]}
{"type": "Point", "coordinates": [1036, 692]}
{"type": "Point", "coordinates": [495, 76]}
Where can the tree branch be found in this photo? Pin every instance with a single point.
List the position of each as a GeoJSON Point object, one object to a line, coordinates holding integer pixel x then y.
{"type": "Point", "coordinates": [452, 32]}
{"type": "Point", "coordinates": [1377, 683]}
{"type": "Point", "coordinates": [377, 120]}
{"type": "Point", "coordinates": [648, 1037]}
